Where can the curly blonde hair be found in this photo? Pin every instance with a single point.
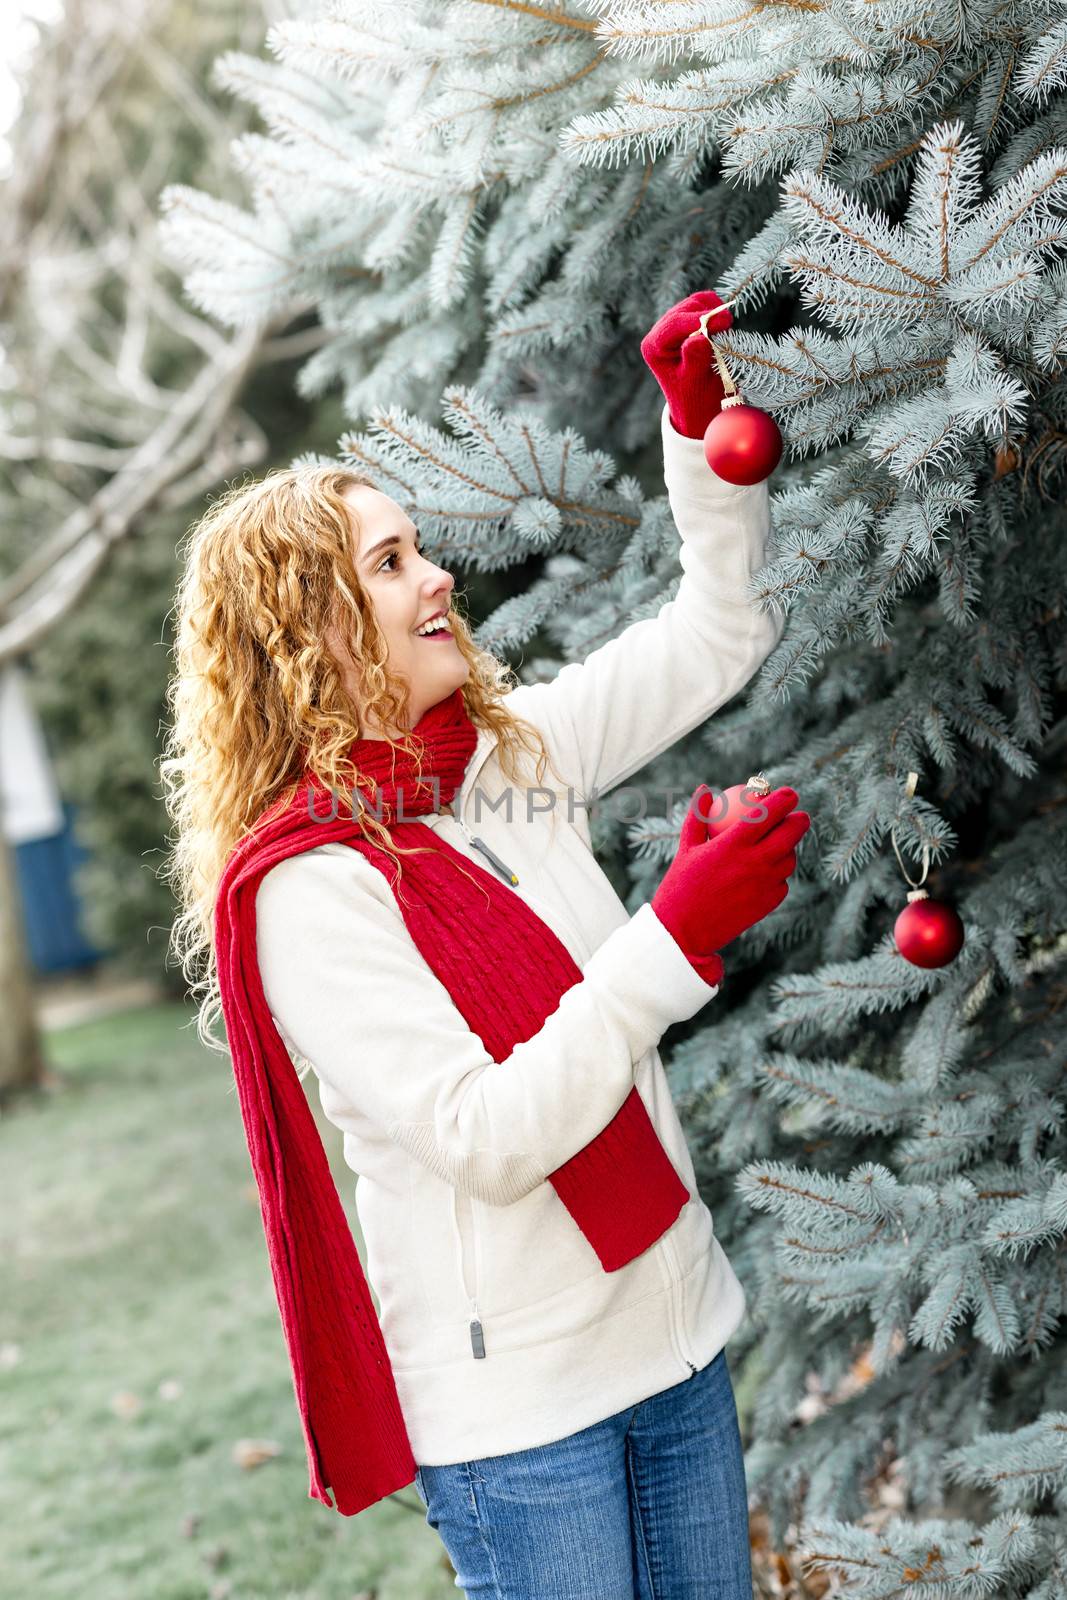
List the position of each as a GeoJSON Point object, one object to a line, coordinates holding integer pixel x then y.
{"type": "Point", "coordinates": [257, 699]}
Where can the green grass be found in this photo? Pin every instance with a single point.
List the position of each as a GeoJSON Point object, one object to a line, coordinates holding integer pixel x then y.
{"type": "Point", "coordinates": [133, 1257]}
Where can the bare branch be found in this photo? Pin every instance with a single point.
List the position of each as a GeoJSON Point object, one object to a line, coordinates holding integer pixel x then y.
{"type": "Point", "coordinates": [64, 567]}
{"type": "Point", "coordinates": [244, 449]}
{"type": "Point", "coordinates": [73, 452]}
{"type": "Point", "coordinates": [294, 345]}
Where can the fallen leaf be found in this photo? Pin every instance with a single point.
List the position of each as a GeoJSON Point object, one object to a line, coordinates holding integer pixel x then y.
{"type": "Point", "coordinates": [253, 1452]}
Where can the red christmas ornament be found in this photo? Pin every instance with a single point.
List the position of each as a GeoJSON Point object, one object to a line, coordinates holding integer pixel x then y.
{"type": "Point", "coordinates": [928, 933]}
{"type": "Point", "coordinates": [742, 444]}
{"type": "Point", "coordinates": [728, 805]}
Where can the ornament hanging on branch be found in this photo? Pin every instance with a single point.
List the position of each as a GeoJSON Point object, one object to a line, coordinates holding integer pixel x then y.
{"type": "Point", "coordinates": [742, 444]}
{"type": "Point", "coordinates": [928, 932]}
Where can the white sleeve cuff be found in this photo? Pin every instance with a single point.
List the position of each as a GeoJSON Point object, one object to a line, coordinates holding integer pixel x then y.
{"type": "Point", "coordinates": [687, 474]}
{"type": "Point", "coordinates": [642, 964]}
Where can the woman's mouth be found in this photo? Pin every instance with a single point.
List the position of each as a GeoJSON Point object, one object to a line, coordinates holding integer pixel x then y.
{"type": "Point", "coordinates": [440, 630]}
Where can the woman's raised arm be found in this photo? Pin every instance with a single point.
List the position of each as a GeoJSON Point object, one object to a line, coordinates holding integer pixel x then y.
{"type": "Point", "coordinates": [607, 716]}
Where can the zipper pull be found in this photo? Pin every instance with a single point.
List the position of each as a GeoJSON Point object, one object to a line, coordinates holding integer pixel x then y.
{"type": "Point", "coordinates": [477, 1341]}
{"type": "Point", "coordinates": [480, 844]}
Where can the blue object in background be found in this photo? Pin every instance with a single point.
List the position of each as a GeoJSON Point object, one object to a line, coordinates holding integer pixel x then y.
{"type": "Point", "coordinates": [45, 870]}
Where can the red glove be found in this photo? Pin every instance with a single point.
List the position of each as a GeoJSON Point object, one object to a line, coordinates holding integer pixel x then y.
{"type": "Point", "coordinates": [716, 888]}
{"type": "Point", "coordinates": [683, 365]}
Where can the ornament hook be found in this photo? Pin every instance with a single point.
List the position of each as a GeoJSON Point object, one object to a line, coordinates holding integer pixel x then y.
{"type": "Point", "coordinates": [732, 397]}
{"type": "Point", "coordinates": [920, 892]}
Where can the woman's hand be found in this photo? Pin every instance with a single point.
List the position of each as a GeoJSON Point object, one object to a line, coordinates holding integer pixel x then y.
{"type": "Point", "coordinates": [717, 887]}
{"type": "Point", "coordinates": [682, 363]}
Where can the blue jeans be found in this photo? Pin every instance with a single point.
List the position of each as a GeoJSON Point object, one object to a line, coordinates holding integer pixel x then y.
{"type": "Point", "coordinates": [650, 1504]}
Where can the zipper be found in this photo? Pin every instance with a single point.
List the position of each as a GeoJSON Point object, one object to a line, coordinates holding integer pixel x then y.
{"type": "Point", "coordinates": [546, 913]}
{"type": "Point", "coordinates": [476, 1335]}
{"type": "Point", "coordinates": [672, 1261]}
{"type": "Point", "coordinates": [479, 844]}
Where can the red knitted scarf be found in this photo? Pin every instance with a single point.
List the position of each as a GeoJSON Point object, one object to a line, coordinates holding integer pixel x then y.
{"type": "Point", "coordinates": [506, 972]}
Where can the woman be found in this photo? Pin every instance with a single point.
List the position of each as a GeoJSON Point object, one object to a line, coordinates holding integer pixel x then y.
{"type": "Point", "coordinates": [481, 1014]}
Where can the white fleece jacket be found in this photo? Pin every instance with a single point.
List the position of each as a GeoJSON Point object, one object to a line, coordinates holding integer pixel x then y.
{"type": "Point", "coordinates": [453, 1149]}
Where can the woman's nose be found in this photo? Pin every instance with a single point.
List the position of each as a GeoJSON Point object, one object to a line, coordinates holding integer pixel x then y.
{"type": "Point", "coordinates": [440, 582]}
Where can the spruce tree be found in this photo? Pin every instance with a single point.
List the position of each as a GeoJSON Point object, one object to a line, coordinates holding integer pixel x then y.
{"type": "Point", "coordinates": [487, 204]}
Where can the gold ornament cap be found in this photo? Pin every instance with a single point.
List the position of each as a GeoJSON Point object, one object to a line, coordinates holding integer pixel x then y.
{"type": "Point", "coordinates": [760, 784]}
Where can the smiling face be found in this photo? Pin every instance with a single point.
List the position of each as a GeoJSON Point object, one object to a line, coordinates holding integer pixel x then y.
{"type": "Point", "coordinates": [405, 589]}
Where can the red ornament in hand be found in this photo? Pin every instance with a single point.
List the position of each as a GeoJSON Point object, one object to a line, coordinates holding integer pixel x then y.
{"type": "Point", "coordinates": [742, 444]}
{"type": "Point", "coordinates": [928, 933]}
{"type": "Point", "coordinates": [729, 805]}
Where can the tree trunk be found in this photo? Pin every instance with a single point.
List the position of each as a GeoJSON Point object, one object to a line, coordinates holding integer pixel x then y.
{"type": "Point", "coordinates": [21, 1056]}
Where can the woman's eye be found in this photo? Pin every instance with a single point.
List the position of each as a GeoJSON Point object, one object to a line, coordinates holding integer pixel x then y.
{"type": "Point", "coordinates": [394, 554]}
